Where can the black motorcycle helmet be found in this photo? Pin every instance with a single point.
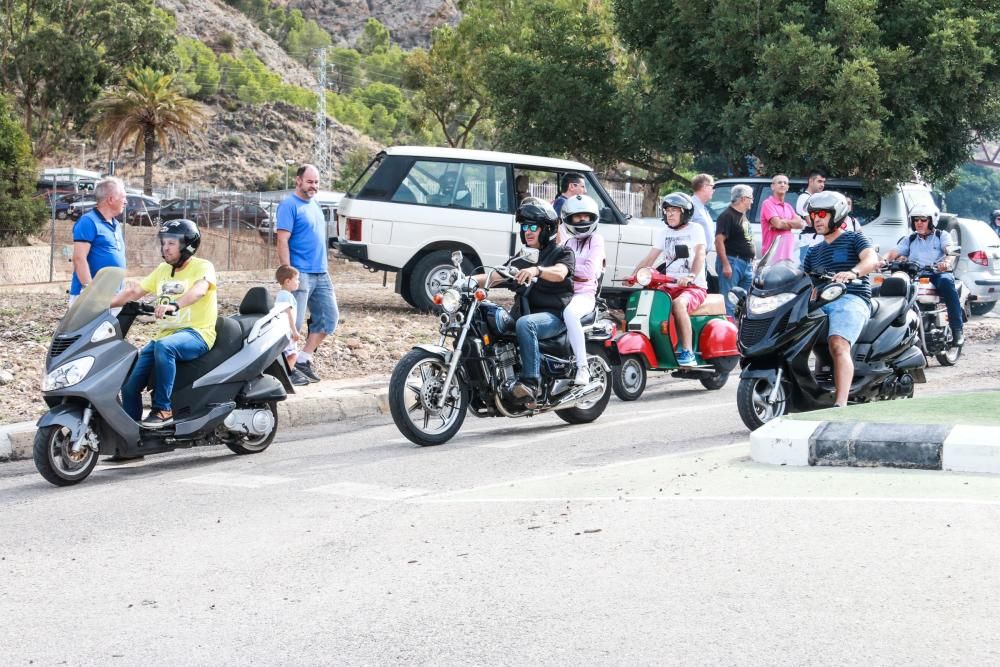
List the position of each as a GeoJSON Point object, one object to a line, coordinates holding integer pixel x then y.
{"type": "Point", "coordinates": [184, 230]}
{"type": "Point", "coordinates": [678, 200]}
{"type": "Point", "coordinates": [539, 212]}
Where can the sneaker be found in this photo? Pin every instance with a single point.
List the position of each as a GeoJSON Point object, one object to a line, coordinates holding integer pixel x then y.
{"type": "Point", "coordinates": [298, 378]}
{"type": "Point", "coordinates": [158, 419]}
{"type": "Point", "coordinates": [582, 376]}
{"type": "Point", "coordinates": [306, 368]}
{"type": "Point", "coordinates": [686, 358]}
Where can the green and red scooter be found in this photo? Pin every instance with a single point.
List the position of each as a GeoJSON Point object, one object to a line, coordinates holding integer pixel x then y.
{"type": "Point", "coordinates": [650, 338]}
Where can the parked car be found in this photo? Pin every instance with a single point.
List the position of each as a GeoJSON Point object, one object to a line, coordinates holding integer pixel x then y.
{"type": "Point", "coordinates": [978, 263]}
{"type": "Point", "coordinates": [80, 206]}
{"type": "Point", "coordinates": [188, 209]}
{"type": "Point", "coordinates": [142, 210]}
{"type": "Point", "coordinates": [63, 201]}
{"type": "Point", "coordinates": [235, 215]}
{"type": "Point", "coordinates": [414, 205]}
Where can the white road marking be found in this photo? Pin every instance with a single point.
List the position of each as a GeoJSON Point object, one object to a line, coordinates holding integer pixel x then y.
{"type": "Point", "coordinates": [238, 480]}
{"type": "Point", "coordinates": [667, 498]}
{"type": "Point", "coordinates": [644, 415]}
{"type": "Point", "coordinates": [369, 491]}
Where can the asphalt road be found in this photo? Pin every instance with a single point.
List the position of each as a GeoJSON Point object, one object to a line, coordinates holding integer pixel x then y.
{"type": "Point", "coordinates": [644, 538]}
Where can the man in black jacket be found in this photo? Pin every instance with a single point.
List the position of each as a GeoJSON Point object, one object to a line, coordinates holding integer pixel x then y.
{"type": "Point", "coordinates": [544, 290]}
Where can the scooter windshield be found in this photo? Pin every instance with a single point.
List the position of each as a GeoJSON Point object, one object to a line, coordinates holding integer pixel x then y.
{"type": "Point", "coordinates": [773, 273]}
{"type": "Point", "coordinates": [94, 300]}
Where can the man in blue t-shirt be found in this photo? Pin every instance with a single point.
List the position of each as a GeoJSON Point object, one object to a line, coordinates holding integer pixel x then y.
{"type": "Point", "coordinates": [849, 256]}
{"type": "Point", "coordinates": [928, 246]}
{"type": "Point", "coordinates": [97, 237]}
{"type": "Point", "coordinates": [302, 238]}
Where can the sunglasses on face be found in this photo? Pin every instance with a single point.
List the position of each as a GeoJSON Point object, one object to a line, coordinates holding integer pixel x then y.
{"type": "Point", "coordinates": [821, 215]}
{"type": "Point", "coordinates": [529, 228]}
{"type": "Point", "coordinates": [921, 218]}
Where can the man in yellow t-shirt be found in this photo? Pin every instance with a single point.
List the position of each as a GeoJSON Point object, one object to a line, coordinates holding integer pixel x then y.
{"type": "Point", "coordinates": [186, 308]}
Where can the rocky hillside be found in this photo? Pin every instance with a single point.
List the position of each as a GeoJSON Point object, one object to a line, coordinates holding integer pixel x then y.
{"type": "Point", "coordinates": [236, 150]}
{"type": "Point", "coordinates": [409, 21]}
{"type": "Point", "coordinates": [207, 20]}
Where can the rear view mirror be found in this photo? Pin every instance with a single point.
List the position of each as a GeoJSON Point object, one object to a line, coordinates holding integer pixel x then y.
{"type": "Point", "coordinates": [456, 258]}
{"type": "Point", "coordinates": [681, 252]}
{"type": "Point", "coordinates": [529, 254]}
{"type": "Point", "coordinates": [606, 217]}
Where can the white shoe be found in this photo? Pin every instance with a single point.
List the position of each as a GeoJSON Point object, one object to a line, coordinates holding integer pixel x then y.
{"type": "Point", "coordinates": [582, 376]}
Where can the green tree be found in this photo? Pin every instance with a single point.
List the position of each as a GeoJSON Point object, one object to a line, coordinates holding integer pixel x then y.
{"type": "Point", "coordinates": [450, 85]}
{"type": "Point", "coordinates": [20, 213]}
{"type": "Point", "coordinates": [198, 71]}
{"type": "Point", "coordinates": [56, 57]}
{"type": "Point", "coordinates": [145, 111]}
{"type": "Point", "coordinates": [977, 194]}
{"type": "Point", "coordinates": [858, 87]}
{"type": "Point", "coordinates": [374, 39]}
{"type": "Point", "coordinates": [354, 165]}
{"type": "Point", "coordinates": [346, 64]}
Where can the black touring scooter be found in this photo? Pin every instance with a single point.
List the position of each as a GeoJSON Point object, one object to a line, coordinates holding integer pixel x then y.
{"type": "Point", "coordinates": [787, 366]}
{"type": "Point", "coordinates": [227, 396]}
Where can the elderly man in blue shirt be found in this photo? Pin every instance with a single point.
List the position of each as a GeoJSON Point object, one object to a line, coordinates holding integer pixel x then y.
{"type": "Point", "coordinates": [928, 246]}
{"type": "Point", "coordinates": [97, 236]}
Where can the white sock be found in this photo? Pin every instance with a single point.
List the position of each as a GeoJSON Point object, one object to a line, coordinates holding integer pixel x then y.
{"type": "Point", "coordinates": [304, 358]}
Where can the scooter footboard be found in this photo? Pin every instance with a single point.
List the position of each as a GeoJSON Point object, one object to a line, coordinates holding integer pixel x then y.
{"type": "Point", "coordinates": [913, 361]}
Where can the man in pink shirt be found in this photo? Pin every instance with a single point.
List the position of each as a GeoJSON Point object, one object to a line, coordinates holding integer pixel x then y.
{"type": "Point", "coordinates": [778, 218]}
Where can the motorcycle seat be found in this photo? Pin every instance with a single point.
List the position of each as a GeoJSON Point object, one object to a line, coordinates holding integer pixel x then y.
{"type": "Point", "coordinates": [228, 341]}
{"type": "Point", "coordinates": [256, 303]}
{"type": "Point", "coordinates": [557, 345]}
{"type": "Point", "coordinates": [885, 309]}
{"type": "Point", "coordinates": [714, 304]}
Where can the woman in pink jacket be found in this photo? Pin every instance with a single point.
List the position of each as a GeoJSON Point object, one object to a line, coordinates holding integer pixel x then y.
{"type": "Point", "coordinates": [579, 217]}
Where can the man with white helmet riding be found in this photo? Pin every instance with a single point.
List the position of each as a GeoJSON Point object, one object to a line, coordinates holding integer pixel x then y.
{"type": "Point", "coordinates": [928, 246]}
{"type": "Point", "coordinates": [688, 269]}
{"type": "Point", "coordinates": [580, 215]}
{"type": "Point", "coordinates": [995, 221]}
{"type": "Point", "coordinates": [849, 256]}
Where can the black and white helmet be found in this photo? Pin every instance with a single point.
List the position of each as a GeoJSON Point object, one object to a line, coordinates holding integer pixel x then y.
{"type": "Point", "coordinates": [580, 204]}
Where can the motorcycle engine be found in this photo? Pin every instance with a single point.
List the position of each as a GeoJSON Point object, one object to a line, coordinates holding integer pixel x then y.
{"type": "Point", "coordinates": [252, 422]}
{"type": "Point", "coordinates": [505, 354]}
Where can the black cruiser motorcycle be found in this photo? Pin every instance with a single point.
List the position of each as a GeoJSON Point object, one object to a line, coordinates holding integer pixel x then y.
{"type": "Point", "coordinates": [473, 366]}
{"type": "Point", "coordinates": [787, 366]}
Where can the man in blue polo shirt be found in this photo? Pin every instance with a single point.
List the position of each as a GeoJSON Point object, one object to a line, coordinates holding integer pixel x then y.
{"type": "Point", "coordinates": [301, 236]}
{"type": "Point", "coordinates": [97, 237]}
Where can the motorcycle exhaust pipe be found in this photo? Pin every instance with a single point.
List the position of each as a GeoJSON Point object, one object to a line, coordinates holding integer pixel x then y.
{"type": "Point", "coordinates": [577, 396]}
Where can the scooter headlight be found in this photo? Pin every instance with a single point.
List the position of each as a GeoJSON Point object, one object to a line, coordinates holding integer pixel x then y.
{"type": "Point", "coordinates": [831, 292]}
{"type": "Point", "coordinates": [68, 374]}
{"type": "Point", "coordinates": [758, 305]}
{"type": "Point", "coordinates": [644, 276]}
{"type": "Point", "coordinates": [451, 300]}
{"type": "Point", "coordinates": [103, 332]}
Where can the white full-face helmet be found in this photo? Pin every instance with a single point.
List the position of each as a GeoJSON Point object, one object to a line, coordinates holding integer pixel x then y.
{"type": "Point", "coordinates": [580, 204]}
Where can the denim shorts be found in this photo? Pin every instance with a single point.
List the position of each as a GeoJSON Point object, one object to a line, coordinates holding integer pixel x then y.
{"type": "Point", "coordinates": [847, 317]}
{"type": "Point", "coordinates": [316, 294]}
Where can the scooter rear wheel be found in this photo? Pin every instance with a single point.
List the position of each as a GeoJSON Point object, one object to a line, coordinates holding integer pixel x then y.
{"type": "Point", "coordinates": [259, 444]}
{"type": "Point", "coordinates": [751, 400]}
{"type": "Point", "coordinates": [54, 459]}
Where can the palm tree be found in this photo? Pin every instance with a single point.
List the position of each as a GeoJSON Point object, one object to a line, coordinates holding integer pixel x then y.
{"type": "Point", "coordinates": [144, 111]}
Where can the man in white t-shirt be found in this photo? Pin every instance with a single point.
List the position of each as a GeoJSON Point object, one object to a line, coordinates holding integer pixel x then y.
{"type": "Point", "coordinates": [691, 288]}
{"type": "Point", "coordinates": [808, 236]}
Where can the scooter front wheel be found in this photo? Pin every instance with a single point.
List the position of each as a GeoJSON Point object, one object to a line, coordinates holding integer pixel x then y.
{"type": "Point", "coordinates": [752, 401]}
{"type": "Point", "coordinates": [55, 459]}
{"type": "Point", "coordinates": [629, 378]}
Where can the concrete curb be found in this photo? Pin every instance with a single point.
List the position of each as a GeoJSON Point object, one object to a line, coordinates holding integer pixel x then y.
{"type": "Point", "coordinates": [958, 448]}
{"type": "Point", "coordinates": [338, 404]}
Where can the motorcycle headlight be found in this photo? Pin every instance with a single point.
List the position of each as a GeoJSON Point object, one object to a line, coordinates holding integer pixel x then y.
{"type": "Point", "coordinates": [103, 332]}
{"type": "Point", "coordinates": [644, 276]}
{"type": "Point", "coordinates": [451, 300]}
{"type": "Point", "coordinates": [68, 374]}
{"type": "Point", "coordinates": [758, 305]}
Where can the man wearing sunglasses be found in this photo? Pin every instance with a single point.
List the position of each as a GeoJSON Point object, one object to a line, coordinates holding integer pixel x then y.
{"type": "Point", "coordinates": [928, 246]}
{"type": "Point", "coordinates": [849, 256]}
{"type": "Point", "coordinates": [543, 289]}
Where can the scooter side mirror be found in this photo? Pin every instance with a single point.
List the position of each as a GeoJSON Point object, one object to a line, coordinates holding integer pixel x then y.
{"type": "Point", "coordinates": [681, 252]}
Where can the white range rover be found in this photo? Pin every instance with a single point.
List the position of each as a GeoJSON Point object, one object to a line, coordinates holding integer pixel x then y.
{"type": "Point", "coordinates": [415, 205]}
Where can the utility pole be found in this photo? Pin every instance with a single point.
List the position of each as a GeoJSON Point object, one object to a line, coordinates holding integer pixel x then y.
{"type": "Point", "coordinates": [322, 139]}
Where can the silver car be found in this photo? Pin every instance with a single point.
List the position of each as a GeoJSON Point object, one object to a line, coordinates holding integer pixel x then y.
{"type": "Point", "coordinates": [979, 261]}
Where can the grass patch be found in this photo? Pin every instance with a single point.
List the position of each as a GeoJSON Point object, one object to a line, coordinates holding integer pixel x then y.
{"type": "Point", "coordinates": [979, 408]}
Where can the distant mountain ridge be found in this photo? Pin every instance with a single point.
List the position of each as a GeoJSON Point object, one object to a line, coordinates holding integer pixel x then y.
{"type": "Point", "coordinates": [410, 22]}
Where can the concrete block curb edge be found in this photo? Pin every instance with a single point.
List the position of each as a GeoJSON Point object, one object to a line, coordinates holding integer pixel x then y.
{"type": "Point", "coordinates": [959, 448]}
{"type": "Point", "coordinates": [16, 440]}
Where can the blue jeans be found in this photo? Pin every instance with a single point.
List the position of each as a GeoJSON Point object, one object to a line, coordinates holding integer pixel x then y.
{"type": "Point", "coordinates": [316, 292]}
{"type": "Point", "coordinates": [944, 283]}
{"type": "Point", "coordinates": [742, 275]}
{"type": "Point", "coordinates": [163, 355]}
{"type": "Point", "coordinates": [530, 329]}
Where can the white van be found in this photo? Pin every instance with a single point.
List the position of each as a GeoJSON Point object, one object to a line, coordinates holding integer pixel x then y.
{"type": "Point", "coordinates": [415, 205]}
